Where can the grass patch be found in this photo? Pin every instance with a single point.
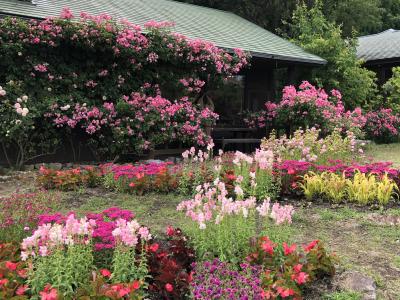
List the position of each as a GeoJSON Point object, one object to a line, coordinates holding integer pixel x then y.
{"type": "Point", "coordinates": [343, 296]}
{"type": "Point", "coordinates": [340, 214]}
{"type": "Point", "coordinates": [385, 152]}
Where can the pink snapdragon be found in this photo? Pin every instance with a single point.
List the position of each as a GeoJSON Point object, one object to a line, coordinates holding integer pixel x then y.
{"type": "Point", "coordinates": [128, 232]}
{"type": "Point", "coordinates": [49, 236]}
{"type": "Point", "coordinates": [282, 214]}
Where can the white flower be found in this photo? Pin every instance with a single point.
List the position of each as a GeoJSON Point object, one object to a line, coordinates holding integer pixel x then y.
{"type": "Point", "coordinates": [19, 100]}
{"type": "Point", "coordinates": [66, 107]}
{"type": "Point", "coordinates": [104, 98]}
{"type": "Point", "coordinates": [49, 89]}
{"type": "Point", "coordinates": [25, 98]}
{"type": "Point", "coordinates": [24, 112]}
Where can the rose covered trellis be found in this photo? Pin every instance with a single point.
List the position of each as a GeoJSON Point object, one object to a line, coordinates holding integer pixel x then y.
{"type": "Point", "coordinates": [123, 88]}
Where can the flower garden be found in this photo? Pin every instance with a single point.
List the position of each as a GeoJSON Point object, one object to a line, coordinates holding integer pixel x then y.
{"type": "Point", "coordinates": [284, 222]}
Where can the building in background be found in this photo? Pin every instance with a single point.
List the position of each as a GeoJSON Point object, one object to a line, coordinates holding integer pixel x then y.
{"type": "Point", "coordinates": [380, 52]}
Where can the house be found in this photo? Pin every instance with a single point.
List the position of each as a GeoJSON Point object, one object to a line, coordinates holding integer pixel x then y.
{"type": "Point", "coordinates": [250, 90]}
{"type": "Point", "coordinates": [380, 52]}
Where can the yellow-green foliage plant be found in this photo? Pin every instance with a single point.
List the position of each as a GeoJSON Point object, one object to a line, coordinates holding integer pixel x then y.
{"type": "Point", "coordinates": [312, 185]}
{"type": "Point", "coordinates": [361, 188]}
{"type": "Point", "coordinates": [385, 188]}
{"type": "Point", "coordinates": [334, 187]}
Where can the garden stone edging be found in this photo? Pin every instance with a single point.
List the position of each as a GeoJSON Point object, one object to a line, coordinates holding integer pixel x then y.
{"type": "Point", "coordinates": [357, 282]}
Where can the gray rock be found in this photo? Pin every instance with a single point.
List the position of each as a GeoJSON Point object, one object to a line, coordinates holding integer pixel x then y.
{"type": "Point", "coordinates": [153, 161]}
{"type": "Point", "coordinates": [357, 282]}
{"type": "Point", "coordinates": [55, 166]}
{"type": "Point", "coordinates": [29, 167]}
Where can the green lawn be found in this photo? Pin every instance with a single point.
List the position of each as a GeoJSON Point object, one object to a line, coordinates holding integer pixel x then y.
{"type": "Point", "coordinates": [385, 152]}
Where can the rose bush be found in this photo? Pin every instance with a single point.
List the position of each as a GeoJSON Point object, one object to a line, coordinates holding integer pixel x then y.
{"type": "Point", "coordinates": [109, 83]}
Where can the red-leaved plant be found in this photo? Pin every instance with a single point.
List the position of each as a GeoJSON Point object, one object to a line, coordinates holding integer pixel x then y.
{"type": "Point", "coordinates": [170, 266]}
{"type": "Point", "coordinates": [287, 269]}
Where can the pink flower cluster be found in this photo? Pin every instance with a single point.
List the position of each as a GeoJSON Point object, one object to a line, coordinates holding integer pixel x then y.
{"type": "Point", "coordinates": [133, 171]}
{"type": "Point", "coordinates": [49, 236]}
{"type": "Point", "coordinates": [105, 224]}
{"type": "Point", "coordinates": [146, 118]}
{"type": "Point", "coordinates": [280, 214]}
{"type": "Point", "coordinates": [192, 84]}
{"type": "Point", "coordinates": [211, 204]}
{"type": "Point", "coordinates": [309, 102]}
{"type": "Point", "coordinates": [382, 122]}
{"type": "Point", "coordinates": [128, 232]}
{"type": "Point", "coordinates": [90, 119]}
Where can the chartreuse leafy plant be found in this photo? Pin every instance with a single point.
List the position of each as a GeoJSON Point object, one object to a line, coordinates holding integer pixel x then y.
{"type": "Point", "coordinates": [105, 83]}
{"type": "Point", "coordinates": [362, 188]}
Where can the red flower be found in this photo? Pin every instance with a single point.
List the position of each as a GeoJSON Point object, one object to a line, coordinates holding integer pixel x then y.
{"type": "Point", "coordinates": [135, 285]}
{"type": "Point", "coordinates": [22, 273]}
{"type": "Point", "coordinates": [11, 266]}
{"type": "Point", "coordinates": [268, 246]}
{"type": "Point", "coordinates": [190, 277]}
{"type": "Point", "coordinates": [3, 281]}
{"type": "Point", "coordinates": [132, 184]}
{"type": "Point", "coordinates": [154, 247]}
{"type": "Point", "coordinates": [105, 273]}
{"type": "Point", "coordinates": [284, 292]}
{"type": "Point", "coordinates": [21, 290]}
{"type": "Point", "coordinates": [48, 293]}
{"type": "Point", "coordinates": [231, 177]}
{"type": "Point", "coordinates": [288, 250]}
{"type": "Point", "coordinates": [311, 246]}
{"type": "Point", "coordinates": [121, 290]}
{"type": "Point", "coordinates": [300, 278]}
{"type": "Point", "coordinates": [297, 268]}
{"type": "Point", "coordinates": [139, 175]}
{"type": "Point", "coordinates": [169, 287]}
{"type": "Point", "coordinates": [170, 231]}
{"type": "Point", "coordinates": [291, 171]}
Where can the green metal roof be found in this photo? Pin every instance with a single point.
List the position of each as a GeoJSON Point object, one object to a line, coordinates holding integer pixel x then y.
{"type": "Point", "coordinates": [384, 45]}
{"type": "Point", "coordinates": [224, 29]}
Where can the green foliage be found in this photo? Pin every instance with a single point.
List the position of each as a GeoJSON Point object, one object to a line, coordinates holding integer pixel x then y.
{"type": "Point", "coordinates": [66, 270]}
{"type": "Point", "coordinates": [392, 91]}
{"type": "Point", "coordinates": [311, 30]}
{"type": "Point", "coordinates": [228, 240]}
{"type": "Point", "coordinates": [361, 16]}
{"type": "Point", "coordinates": [128, 266]}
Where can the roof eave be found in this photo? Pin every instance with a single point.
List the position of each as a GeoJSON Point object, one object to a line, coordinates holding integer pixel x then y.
{"type": "Point", "coordinates": [316, 62]}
